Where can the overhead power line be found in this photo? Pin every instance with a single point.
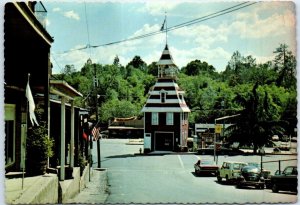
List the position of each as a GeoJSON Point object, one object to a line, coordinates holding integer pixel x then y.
{"type": "Point", "coordinates": [188, 23]}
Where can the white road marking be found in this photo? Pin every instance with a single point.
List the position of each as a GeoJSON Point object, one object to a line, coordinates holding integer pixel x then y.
{"type": "Point", "coordinates": [180, 160]}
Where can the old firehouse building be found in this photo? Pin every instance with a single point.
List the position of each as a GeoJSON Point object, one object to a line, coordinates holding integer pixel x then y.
{"type": "Point", "coordinates": [165, 112]}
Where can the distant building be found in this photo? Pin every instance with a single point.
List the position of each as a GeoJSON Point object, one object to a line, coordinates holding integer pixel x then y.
{"type": "Point", "coordinates": [205, 133]}
{"type": "Point", "coordinates": [165, 112]}
{"type": "Point", "coordinates": [131, 127]}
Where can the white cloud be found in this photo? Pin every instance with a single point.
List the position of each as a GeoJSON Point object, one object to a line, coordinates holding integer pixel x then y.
{"type": "Point", "coordinates": [217, 55]}
{"type": "Point", "coordinates": [149, 41]}
{"type": "Point", "coordinates": [202, 34]}
{"type": "Point", "coordinates": [254, 23]}
{"type": "Point", "coordinates": [158, 7]}
{"type": "Point", "coordinates": [47, 22]}
{"type": "Point", "coordinates": [72, 15]}
{"type": "Point", "coordinates": [56, 9]}
{"type": "Point", "coordinates": [263, 59]}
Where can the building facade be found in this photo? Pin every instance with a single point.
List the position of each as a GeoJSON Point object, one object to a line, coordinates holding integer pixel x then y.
{"type": "Point", "coordinates": [26, 51]}
{"type": "Point", "coordinates": [165, 112]}
{"type": "Point", "coordinates": [27, 61]}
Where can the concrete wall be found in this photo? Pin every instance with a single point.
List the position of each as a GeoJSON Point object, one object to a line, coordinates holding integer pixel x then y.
{"type": "Point", "coordinates": [43, 190]}
{"type": "Point", "coordinates": [85, 177]}
{"type": "Point", "coordinates": [71, 187]}
{"type": "Point", "coordinates": [46, 189]}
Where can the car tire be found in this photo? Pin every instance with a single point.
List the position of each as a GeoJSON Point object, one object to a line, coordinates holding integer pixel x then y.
{"type": "Point", "coordinates": [219, 178]}
{"type": "Point", "coordinates": [275, 188]}
{"type": "Point", "coordinates": [257, 186]}
{"type": "Point", "coordinates": [196, 172]}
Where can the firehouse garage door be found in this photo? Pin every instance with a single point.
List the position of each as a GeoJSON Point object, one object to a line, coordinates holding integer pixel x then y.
{"type": "Point", "coordinates": [164, 141]}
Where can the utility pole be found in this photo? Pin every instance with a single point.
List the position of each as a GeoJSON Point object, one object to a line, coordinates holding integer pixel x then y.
{"type": "Point", "coordinates": [97, 120]}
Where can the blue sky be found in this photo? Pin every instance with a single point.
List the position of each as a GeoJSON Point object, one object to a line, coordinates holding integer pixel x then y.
{"type": "Point", "coordinates": [255, 30]}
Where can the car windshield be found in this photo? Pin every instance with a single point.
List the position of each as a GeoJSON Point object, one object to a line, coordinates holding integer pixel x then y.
{"type": "Point", "coordinates": [251, 169]}
{"type": "Point", "coordinates": [237, 166]}
{"type": "Point", "coordinates": [208, 163]}
{"type": "Point", "coordinates": [254, 164]}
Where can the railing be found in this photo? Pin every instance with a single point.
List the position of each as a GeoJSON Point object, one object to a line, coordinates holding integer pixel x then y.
{"type": "Point", "coordinates": [279, 162]}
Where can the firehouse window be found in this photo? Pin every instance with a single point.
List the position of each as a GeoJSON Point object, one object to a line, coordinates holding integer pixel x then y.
{"type": "Point", "coordinates": [170, 118]}
{"type": "Point", "coordinates": [163, 97]}
{"type": "Point", "coordinates": [154, 118]}
{"type": "Point", "coordinates": [9, 142]}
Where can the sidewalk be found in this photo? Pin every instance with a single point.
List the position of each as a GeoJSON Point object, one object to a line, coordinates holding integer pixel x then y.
{"type": "Point", "coordinates": [96, 190]}
{"type": "Point", "coordinates": [135, 142]}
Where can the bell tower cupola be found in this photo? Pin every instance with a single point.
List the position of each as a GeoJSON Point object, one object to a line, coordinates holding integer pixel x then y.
{"type": "Point", "coordinates": [166, 66]}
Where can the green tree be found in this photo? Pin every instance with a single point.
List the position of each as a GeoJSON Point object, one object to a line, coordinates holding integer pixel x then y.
{"type": "Point", "coordinates": [257, 121]}
{"type": "Point", "coordinates": [137, 62]}
{"type": "Point", "coordinates": [197, 67]}
{"type": "Point", "coordinates": [117, 108]}
{"type": "Point", "coordinates": [239, 69]}
{"type": "Point", "coordinates": [285, 66]}
{"type": "Point", "coordinates": [152, 69]}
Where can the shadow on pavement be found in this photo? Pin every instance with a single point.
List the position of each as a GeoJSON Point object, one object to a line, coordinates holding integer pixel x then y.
{"type": "Point", "coordinates": [134, 155]}
{"type": "Point", "coordinates": [202, 175]}
{"type": "Point", "coordinates": [226, 183]}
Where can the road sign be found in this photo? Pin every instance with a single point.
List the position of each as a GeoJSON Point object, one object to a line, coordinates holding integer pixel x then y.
{"type": "Point", "coordinates": [218, 128]}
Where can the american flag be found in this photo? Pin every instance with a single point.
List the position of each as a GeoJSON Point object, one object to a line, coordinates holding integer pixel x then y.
{"type": "Point", "coordinates": [96, 133]}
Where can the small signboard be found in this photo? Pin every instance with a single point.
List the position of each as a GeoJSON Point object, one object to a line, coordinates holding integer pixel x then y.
{"type": "Point", "coordinates": [218, 128]}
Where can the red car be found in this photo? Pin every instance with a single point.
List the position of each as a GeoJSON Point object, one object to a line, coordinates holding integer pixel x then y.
{"type": "Point", "coordinates": [205, 167]}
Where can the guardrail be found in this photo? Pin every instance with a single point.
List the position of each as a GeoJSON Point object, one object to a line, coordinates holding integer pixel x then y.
{"type": "Point", "coordinates": [279, 162]}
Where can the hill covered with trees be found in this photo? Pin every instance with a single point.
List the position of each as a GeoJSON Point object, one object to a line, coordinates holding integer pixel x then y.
{"type": "Point", "coordinates": [264, 94]}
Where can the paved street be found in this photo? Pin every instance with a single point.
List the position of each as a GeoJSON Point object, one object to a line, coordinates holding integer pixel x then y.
{"type": "Point", "coordinates": [169, 178]}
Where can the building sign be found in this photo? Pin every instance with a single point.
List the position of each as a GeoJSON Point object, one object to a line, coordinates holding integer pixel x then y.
{"type": "Point", "coordinates": [218, 128]}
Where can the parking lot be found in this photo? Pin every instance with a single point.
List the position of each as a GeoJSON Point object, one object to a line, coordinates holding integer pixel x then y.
{"type": "Point", "coordinates": [170, 178]}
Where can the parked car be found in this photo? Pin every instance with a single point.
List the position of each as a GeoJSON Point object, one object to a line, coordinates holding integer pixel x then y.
{"type": "Point", "coordinates": [205, 167]}
{"type": "Point", "coordinates": [230, 170]}
{"type": "Point", "coordinates": [251, 176]}
{"type": "Point", "coordinates": [284, 146]}
{"type": "Point", "coordinates": [284, 138]}
{"type": "Point", "coordinates": [285, 181]}
{"type": "Point", "coordinates": [294, 139]}
{"type": "Point", "coordinates": [275, 138]}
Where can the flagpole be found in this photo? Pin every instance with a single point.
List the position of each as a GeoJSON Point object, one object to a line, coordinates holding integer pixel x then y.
{"type": "Point", "coordinates": [24, 155]}
{"type": "Point", "coordinates": [166, 28]}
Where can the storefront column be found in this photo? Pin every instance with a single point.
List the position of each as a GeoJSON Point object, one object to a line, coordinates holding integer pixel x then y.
{"type": "Point", "coordinates": [72, 135]}
{"type": "Point", "coordinates": [62, 139]}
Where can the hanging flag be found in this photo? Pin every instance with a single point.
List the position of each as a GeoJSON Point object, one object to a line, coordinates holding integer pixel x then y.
{"type": "Point", "coordinates": [31, 105]}
{"type": "Point", "coordinates": [96, 133]}
{"type": "Point", "coordinates": [84, 136]}
{"type": "Point", "coordinates": [163, 25]}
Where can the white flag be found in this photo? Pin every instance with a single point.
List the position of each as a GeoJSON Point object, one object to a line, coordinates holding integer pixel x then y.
{"type": "Point", "coordinates": [31, 105]}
